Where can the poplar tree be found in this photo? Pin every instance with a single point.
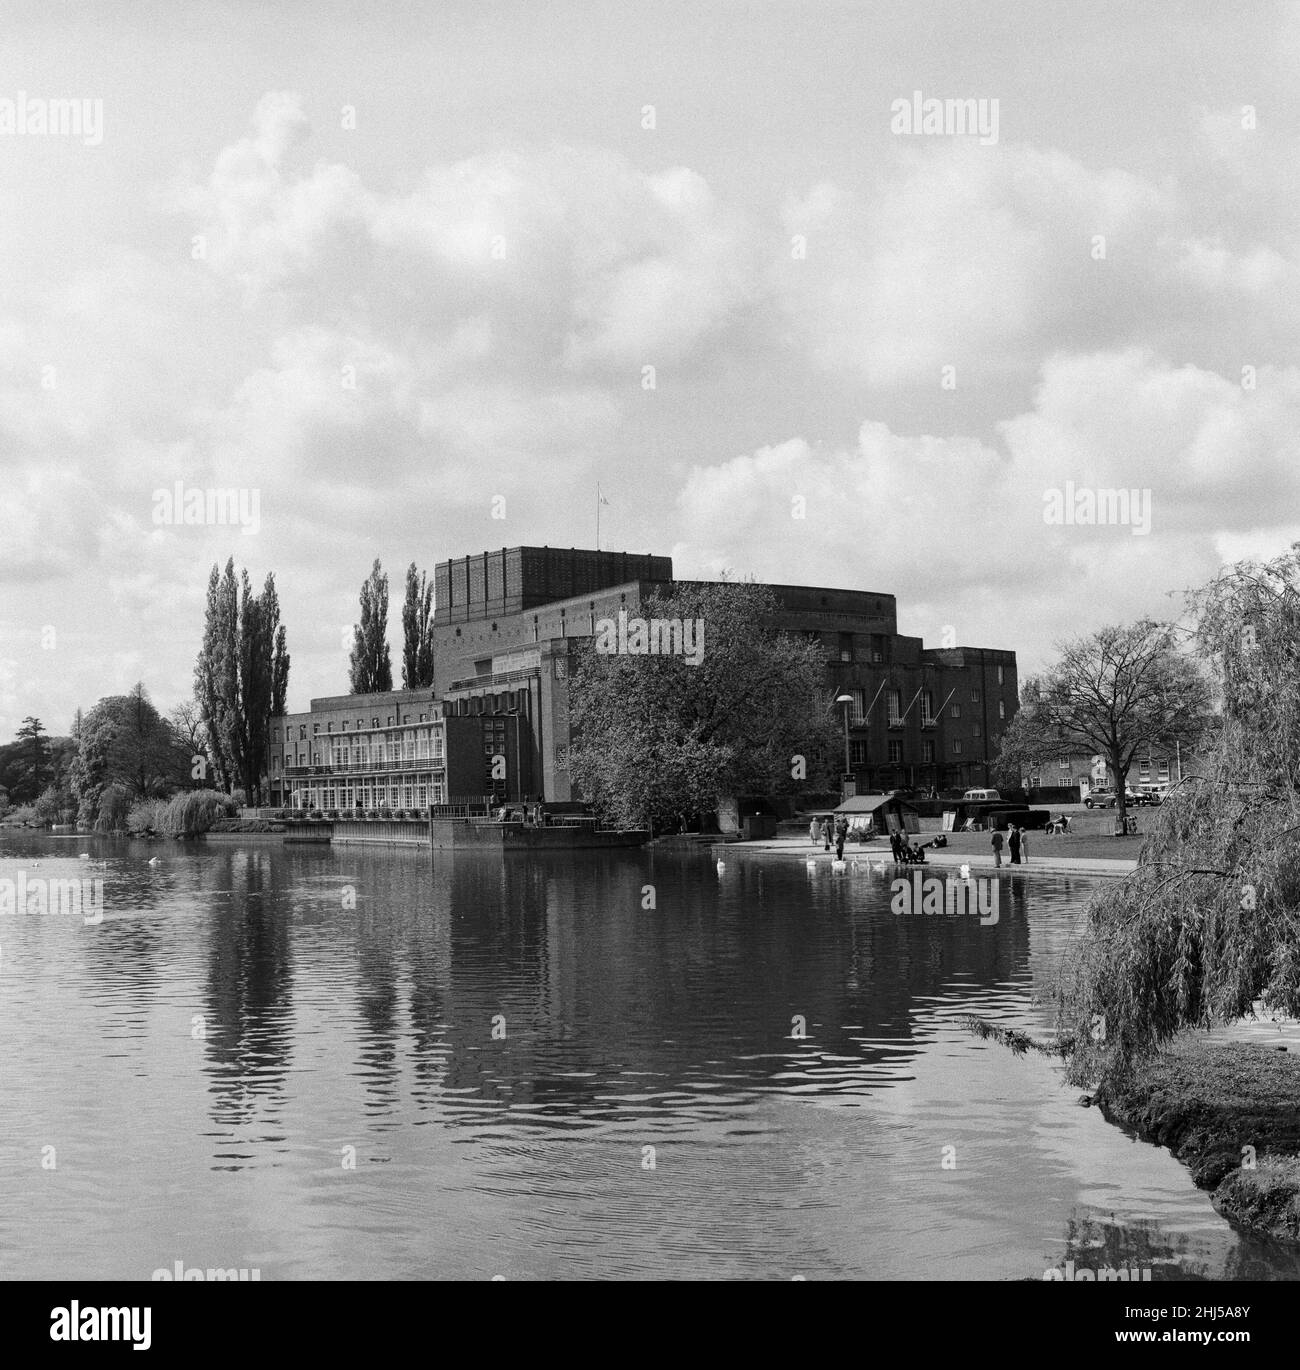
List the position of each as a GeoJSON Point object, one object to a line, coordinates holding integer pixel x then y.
{"type": "Point", "coordinates": [241, 678]}
{"type": "Point", "coordinates": [417, 630]}
{"type": "Point", "coordinates": [371, 667]}
{"type": "Point", "coordinates": [205, 683]}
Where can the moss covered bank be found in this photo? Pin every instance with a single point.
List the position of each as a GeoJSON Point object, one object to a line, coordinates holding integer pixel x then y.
{"type": "Point", "coordinates": [1208, 1102]}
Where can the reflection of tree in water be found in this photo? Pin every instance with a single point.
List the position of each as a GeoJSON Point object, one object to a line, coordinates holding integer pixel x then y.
{"type": "Point", "coordinates": [123, 950]}
{"type": "Point", "coordinates": [426, 960]}
{"type": "Point", "coordinates": [1258, 1258]}
{"type": "Point", "coordinates": [377, 1006]}
{"type": "Point", "coordinates": [499, 962]}
{"type": "Point", "coordinates": [249, 1006]}
{"type": "Point", "coordinates": [1097, 1245]}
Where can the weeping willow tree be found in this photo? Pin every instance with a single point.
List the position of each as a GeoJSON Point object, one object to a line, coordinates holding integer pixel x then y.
{"type": "Point", "coordinates": [114, 806]}
{"type": "Point", "coordinates": [1207, 928]}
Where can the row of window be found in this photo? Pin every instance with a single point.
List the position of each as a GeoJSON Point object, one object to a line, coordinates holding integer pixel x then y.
{"type": "Point", "coordinates": [393, 722]}
{"type": "Point", "coordinates": [894, 708]}
{"type": "Point", "coordinates": [1144, 767]}
{"type": "Point", "coordinates": [362, 756]}
{"type": "Point", "coordinates": [368, 794]}
{"type": "Point", "coordinates": [858, 752]}
{"type": "Point", "coordinates": [501, 702]}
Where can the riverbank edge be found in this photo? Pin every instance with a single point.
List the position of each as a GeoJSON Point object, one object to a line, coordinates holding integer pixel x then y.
{"type": "Point", "coordinates": [797, 849]}
{"type": "Point", "coordinates": [1230, 1112]}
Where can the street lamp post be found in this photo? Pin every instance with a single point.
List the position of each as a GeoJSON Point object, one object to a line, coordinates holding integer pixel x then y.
{"type": "Point", "coordinates": [846, 700]}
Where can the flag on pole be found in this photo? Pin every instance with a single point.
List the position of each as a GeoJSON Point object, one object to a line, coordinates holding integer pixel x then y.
{"type": "Point", "coordinates": [603, 500]}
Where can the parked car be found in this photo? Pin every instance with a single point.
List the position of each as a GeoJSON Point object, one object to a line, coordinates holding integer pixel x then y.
{"type": "Point", "coordinates": [1105, 798]}
{"type": "Point", "coordinates": [983, 795]}
{"type": "Point", "coordinates": [1155, 793]}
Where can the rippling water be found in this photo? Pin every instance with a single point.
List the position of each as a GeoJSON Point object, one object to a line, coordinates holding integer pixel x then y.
{"type": "Point", "coordinates": [356, 1063]}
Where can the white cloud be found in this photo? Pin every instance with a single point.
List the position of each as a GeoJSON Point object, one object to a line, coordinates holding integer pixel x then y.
{"type": "Point", "coordinates": [603, 264]}
{"type": "Point", "coordinates": [963, 255]}
{"type": "Point", "coordinates": [955, 526]}
{"type": "Point", "coordinates": [496, 309]}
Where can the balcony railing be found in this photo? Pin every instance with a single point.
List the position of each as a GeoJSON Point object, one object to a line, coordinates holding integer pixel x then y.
{"type": "Point", "coordinates": [419, 763]}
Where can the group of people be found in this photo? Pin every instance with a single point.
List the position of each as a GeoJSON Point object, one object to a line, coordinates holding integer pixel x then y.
{"type": "Point", "coordinates": [828, 830]}
{"type": "Point", "coordinates": [905, 852]}
{"type": "Point", "coordinates": [1017, 845]}
{"type": "Point", "coordinates": [834, 831]}
{"type": "Point", "coordinates": [531, 814]}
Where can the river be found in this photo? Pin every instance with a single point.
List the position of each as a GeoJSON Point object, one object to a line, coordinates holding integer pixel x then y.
{"type": "Point", "coordinates": [366, 1063]}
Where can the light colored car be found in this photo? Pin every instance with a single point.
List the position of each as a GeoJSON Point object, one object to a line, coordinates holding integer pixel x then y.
{"type": "Point", "coordinates": [982, 795]}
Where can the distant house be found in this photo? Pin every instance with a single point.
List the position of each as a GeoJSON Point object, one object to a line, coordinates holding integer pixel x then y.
{"type": "Point", "coordinates": [1092, 772]}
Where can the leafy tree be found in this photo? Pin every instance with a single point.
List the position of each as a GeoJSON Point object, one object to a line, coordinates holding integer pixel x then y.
{"type": "Point", "coordinates": [241, 678]}
{"type": "Point", "coordinates": [193, 812]}
{"type": "Point", "coordinates": [32, 758]}
{"type": "Point", "coordinates": [187, 719]}
{"type": "Point", "coordinates": [417, 631]}
{"type": "Point", "coordinates": [657, 739]}
{"type": "Point", "coordinates": [1116, 693]}
{"type": "Point", "coordinates": [114, 809]}
{"type": "Point", "coordinates": [371, 668]}
{"type": "Point", "coordinates": [49, 806]}
{"type": "Point", "coordinates": [1209, 924]}
{"type": "Point", "coordinates": [125, 744]}
{"type": "Point", "coordinates": [207, 693]}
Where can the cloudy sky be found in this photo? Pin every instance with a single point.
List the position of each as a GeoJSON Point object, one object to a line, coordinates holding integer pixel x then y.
{"type": "Point", "coordinates": [384, 268]}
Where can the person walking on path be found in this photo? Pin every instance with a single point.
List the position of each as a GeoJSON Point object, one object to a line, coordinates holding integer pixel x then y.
{"type": "Point", "coordinates": [996, 842]}
{"type": "Point", "coordinates": [1024, 845]}
{"type": "Point", "coordinates": [814, 831]}
{"type": "Point", "coordinates": [1014, 843]}
{"type": "Point", "coordinates": [828, 830]}
{"type": "Point", "coordinates": [841, 836]}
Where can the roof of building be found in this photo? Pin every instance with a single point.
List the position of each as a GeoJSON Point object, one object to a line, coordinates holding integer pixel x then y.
{"type": "Point", "coordinates": [869, 803]}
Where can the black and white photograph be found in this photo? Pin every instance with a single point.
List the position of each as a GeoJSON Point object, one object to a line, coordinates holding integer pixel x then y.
{"type": "Point", "coordinates": [650, 642]}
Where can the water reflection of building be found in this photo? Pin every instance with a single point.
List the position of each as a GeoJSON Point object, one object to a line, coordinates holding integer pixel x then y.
{"type": "Point", "coordinates": [598, 993]}
{"type": "Point", "coordinates": [507, 627]}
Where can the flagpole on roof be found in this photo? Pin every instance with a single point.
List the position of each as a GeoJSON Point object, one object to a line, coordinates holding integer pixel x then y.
{"type": "Point", "coordinates": [598, 516]}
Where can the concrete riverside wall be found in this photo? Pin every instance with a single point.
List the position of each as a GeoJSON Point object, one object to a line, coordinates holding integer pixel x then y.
{"type": "Point", "coordinates": [459, 834]}
{"type": "Point", "coordinates": [390, 832]}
